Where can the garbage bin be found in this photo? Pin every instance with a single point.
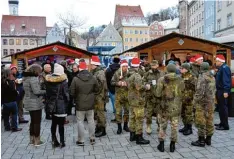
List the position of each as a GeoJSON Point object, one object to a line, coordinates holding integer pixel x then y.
{"type": "Point", "coordinates": [231, 104]}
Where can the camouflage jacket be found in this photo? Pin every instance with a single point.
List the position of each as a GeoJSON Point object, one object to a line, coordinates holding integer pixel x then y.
{"type": "Point", "coordinates": [170, 89]}
{"type": "Point", "coordinates": [205, 90]}
{"type": "Point", "coordinates": [195, 69]}
{"type": "Point", "coordinates": [143, 69]}
{"type": "Point", "coordinates": [136, 90]}
{"type": "Point", "coordinates": [99, 75]}
{"type": "Point", "coordinates": [190, 84]}
{"type": "Point", "coordinates": [116, 78]}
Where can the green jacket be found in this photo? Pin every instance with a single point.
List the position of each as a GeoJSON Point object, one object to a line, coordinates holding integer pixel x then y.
{"type": "Point", "coordinates": [195, 70]}
{"type": "Point", "coordinates": [190, 81]}
{"type": "Point", "coordinates": [116, 78]}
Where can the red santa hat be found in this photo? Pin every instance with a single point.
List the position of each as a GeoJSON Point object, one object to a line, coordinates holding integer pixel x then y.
{"type": "Point", "coordinates": [82, 66]}
{"type": "Point", "coordinates": [220, 58]}
{"type": "Point", "coordinates": [135, 62]}
{"type": "Point", "coordinates": [192, 60]}
{"type": "Point", "coordinates": [95, 60]}
{"type": "Point", "coordinates": [198, 57]}
{"type": "Point", "coordinates": [70, 61]}
{"type": "Point", "coordinates": [124, 63]}
{"type": "Point", "coordinates": [13, 66]}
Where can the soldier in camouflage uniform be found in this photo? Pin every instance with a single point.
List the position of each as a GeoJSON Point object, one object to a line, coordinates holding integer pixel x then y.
{"type": "Point", "coordinates": [152, 103]}
{"type": "Point", "coordinates": [99, 74]}
{"type": "Point", "coordinates": [136, 90]}
{"type": "Point", "coordinates": [119, 80]}
{"type": "Point", "coordinates": [187, 106]}
{"type": "Point", "coordinates": [170, 89]}
{"type": "Point", "coordinates": [204, 99]}
{"type": "Point", "coordinates": [144, 66]}
{"type": "Point", "coordinates": [195, 67]}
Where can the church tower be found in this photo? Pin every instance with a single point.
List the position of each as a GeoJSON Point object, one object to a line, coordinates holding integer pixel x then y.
{"type": "Point", "coordinates": [13, 7]}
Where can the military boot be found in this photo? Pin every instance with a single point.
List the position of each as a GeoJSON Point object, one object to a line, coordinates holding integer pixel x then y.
{"type": "Point", "coordinates": [208, 140]}
{"type": "Point", "coordinates": [183, 129]}
{"type": "Point", "coordinates": [140, 140]}
{"type": "Point", "coordinates": [189, 130]}
{"type": "Point", "coordinates": [148, 129]}
{"type": "Point", "coordinates": [132, 136]}
{"type": "Point", "coordinates": [119, 131]}
{"type": "Point", "coordinates": [126, 127]}
{"type": "Point", "coordinates": [101, 133]}
{"type": "Point", "coordinates": [200, 142]}
{"type": "Point", "coordinates": [172, 146]}
{"type": "Point", "coordinates": [161, 146]}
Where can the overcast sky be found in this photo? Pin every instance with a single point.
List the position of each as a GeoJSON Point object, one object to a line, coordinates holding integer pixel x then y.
{"type": "Point", "coordinates": [97, 12]}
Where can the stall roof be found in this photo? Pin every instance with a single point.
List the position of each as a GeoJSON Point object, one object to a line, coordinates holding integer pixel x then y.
{"type": "Point", "coordinates": [174, 35]}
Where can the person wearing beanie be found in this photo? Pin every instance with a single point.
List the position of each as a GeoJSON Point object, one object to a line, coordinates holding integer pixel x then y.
{"type": "Point", "coordinates": [151, 77]}
{"type": "Point", "coordinates": [57, 94]}
{"type": "Point", "coordinates": [109, 74]}
{"type": "Point", "coordinates": [83, 89]}
{"type": "Point", "coordinates": [187, 105]}
{"type": "Point", "coordinates": [223, 86]}
{"type": "Point", "coordinates": [204, 102]}
{"type": "Point", "coordinates": [101, 97]}
{"type": "Point", "coordinates": [119, 80]}
{"type": "Point", "coordinates": [170, 90]}
{"type": "Point", "coordinates": [195, 67]}
{"type": "Point", "coordinates": [136, 99]}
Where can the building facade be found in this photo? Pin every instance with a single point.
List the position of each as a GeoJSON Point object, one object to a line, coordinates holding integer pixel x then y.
{"type": "Point", "coordinates": [196, 18]}
{"type": "Point", "coordinates": [54, 34]}
{"type": "Point", "coordinates": [170, 25]}
{"type": "Point", "coordinates": [210, 19]}
{"type": "Point", "coordinates": [224, 18]}
{"type": "Point", "coordinates": [156, 30]}
{"type": "Point", "coordinates": [183, 17]}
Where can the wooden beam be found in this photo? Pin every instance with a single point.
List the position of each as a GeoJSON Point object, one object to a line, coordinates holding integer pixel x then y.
{"type": "Point", "coordinates": [26, 61]}
{"type": "Point", "coordinates": [229, 57]}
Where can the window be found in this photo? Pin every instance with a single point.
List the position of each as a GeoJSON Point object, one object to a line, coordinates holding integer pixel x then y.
{"type": "Point", "coordinates": [4, 41]}
{"type": "Point", "coordinates": [126, 47]}
{"type": "Point", "coordinates": [25, 41]}
{"type": "Point", "coordinates": [136, 39]}
{"type": "Point", "coordinates": [229, 20]}
{"type": "Point", "coordinates": [17, 50]}
{"type": "Point", "coordinates": [202, 28]}
{"type": "Point", "coordinates": [218, 24]}
{"type": "Point", "coordinates": [199, 17]}
{"type": "Point", "coordinates": [219, 5]}
{"type": "Point", "coordinates": [131, 32]}
{"type": "Point", "coordinates": [142, 40]}
{"type": "Point", "coordinates": [136, 31]}
{"type": "Point", "coordinates": [126, 31]}
{"type": "Point", "coordinates": [196, 6]}
{"type": "Point", "coordinates": [156, 33]}
{"type": "Point", "coordinates": [229, 2]}
{"type": "Point", "coordinates": [126, 39]}
{"type": "Point", "coordinates": [160, 33]}
{"type": "Point", "coordinates": [140, 32]}
{"type": "Point", "coordinates": [12, 51]}
{"type": "Point", "coordinates": [11, 41]}
{"type": "Point", "coordinates": [39, 42]}
{"type": "Point", "coordinates": [32, 42]}
{"type": "Point", "coordinates": [18, 42]}
{"type": "Point", "coordinates": [130, 39]}
{"type": "Point", "coordinates": [202, 14]}
{"type": "Point", "coordinates": [146, 31]}
{"type": "Point", "coordinates": [5, 52]}
{"type": "Point", "coordinates": [113, 44]}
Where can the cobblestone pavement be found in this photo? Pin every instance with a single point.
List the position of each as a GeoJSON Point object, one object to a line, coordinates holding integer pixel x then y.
{"type": "Point", "coordinates": [113, 146]}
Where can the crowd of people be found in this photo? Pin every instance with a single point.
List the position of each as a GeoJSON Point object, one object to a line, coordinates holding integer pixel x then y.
{"type": "Point", "coordinates": [188, 91]}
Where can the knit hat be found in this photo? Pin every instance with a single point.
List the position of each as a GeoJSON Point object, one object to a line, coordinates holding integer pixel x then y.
{"type": "Point", "coordinates": [135, 62]}
{"type": "Point", "coordinates": [154, 63]}
{"type": "Point", "coordinates": [82, 66]}
{"type": "Point", "coordinates": [220, 58]}
{"type": "Point", "coordinates": [198, 57]}
{"type": "Point", "coordinates": [13, 66]}
{"type": "Point", "coordinates": [124, 63]}
{"type": "Point", "coordinates": [186, 66]}
{"type": "Point", "coordinates": [192, 60]}
{"type": "Point", "coordinates": [116, 59]}
{"type": "Point", "coordinates": [171, 68]}
{"type": "Point", "coordinates": [204, 66]}
{"type": "Point", "coordinates": [95, 61]}
{"type": "Point", "coordinates": [58, 69]}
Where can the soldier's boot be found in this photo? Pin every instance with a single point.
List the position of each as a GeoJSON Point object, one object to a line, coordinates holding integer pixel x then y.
{"type": "Point", "coordinates": [97, 129]}
{"type": "Point", "coordinates": [148, 129]}
{"type": "Point", "coordinates": [172, 146]}
{"type": "Point", "coordinates": [140, 140]}
{"type": "Point", "coordinates": [161, 146]}
{"type": "Point", "coordinates": [126, 127]}
{"type": "Point", "coordinates": [183, 129]}
{"type": "Point", "coordinates": [55, 142]}
{"type": "Point", "coordinates": [132, 136]}
{"type": "Point", "coordinates": [119, 131]}
{"type": "Point", "coordinates": [208, 140]}
{"type": "Point", "coordinates": [200, 142]}
{"type": "Point", "coordinates": [101, 133]}
{"type": "Point", "coordinates": [189, 130]}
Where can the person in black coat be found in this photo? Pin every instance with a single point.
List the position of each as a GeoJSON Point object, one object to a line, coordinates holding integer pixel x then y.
{"type": "Point", "coordinates": [57, 99]}
{"type": "Point", "coordinates": [173, 58]}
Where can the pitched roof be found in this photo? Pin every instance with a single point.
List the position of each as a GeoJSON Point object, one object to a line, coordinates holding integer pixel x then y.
{"type": "Point", "coordinates": [170, 23]}
{"type": "Point", "coordinates": [23, 25]}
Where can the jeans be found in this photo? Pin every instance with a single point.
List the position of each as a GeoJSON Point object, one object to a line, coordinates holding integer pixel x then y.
{"type": "Point", "coordinates": [35, 125]}
{"type": "Point", "coordinates": [60, 122]}
{"type": "Point", "coordinates": [10, 108]}
{"type": "Point", "coordinates": [112, 97]}
{"type": "Point", "coordinates": [80, 115]}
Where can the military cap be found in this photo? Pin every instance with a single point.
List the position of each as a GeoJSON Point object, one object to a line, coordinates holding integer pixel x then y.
{"type": "Point", "coordinates": [154, 62]}
{"type": "Point", "coordinates": [204, 66]}
{"type": "Point", "coordinates": [186, 66]}
{"type": "Point", "coordinates": [171, 68]}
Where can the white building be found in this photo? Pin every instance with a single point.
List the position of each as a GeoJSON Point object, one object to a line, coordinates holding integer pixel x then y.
{"type": "Point", "coordinates": [54, 34]}
{"type": "Point", "coordinates": [170, 25]}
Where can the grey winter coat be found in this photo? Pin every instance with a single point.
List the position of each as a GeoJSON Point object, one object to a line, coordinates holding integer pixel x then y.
{"type": "Point", "coordinates": [33, 94]}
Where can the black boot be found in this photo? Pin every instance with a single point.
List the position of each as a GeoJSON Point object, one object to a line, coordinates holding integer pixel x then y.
{"type": "Point", "coordinates": [161, 146]}
{"type": "Point", "coordinates": [208, 140]}
{"type": "Point", "coordinates": [119, 131]}
{"type": "Point", "coordinates": [200, 142]}
{"type": "Point", "coordinates": [132, 136]}
{"type": "Point", "coordinates": [140, 140]}
{"type": "Point", "coordinates": [183, 129]}
{"type": "Point", "coordinates": [189, 130]}
{"type": "Point", "coordinates": [55, 142]}
{"type": "Point", "coordinates": [101, 132]}
{"type": "Point", "coordinates": [97, 129]}
{"type": "Point", "coordinates": [126, 127]}
{"type": "Point", "coordinates": [62, 140]}
{"type": "Point", "coordinates": [172, 146]}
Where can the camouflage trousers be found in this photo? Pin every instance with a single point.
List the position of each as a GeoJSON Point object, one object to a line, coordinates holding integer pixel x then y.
{"type": "Point", "coordinates": [136, 117]}
{"type": "Point", "coordinates": [163, 121]}
{"type": "Point", "coordinates": [121, 104]}
{"type": "Point", "coordinates": [187, 113]}
{"type": "Point", "coordinates": [151, 108]}
{"type": "Point", "coordinates": [100, 113]}
{"type": "Point", "coordinates": [204, 120]}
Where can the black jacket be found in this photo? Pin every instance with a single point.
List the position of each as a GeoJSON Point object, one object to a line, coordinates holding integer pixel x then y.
{"type": "Point", "coordinates": [109, 74]}
{"type": "Point", "coordinates": [8, 91]}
